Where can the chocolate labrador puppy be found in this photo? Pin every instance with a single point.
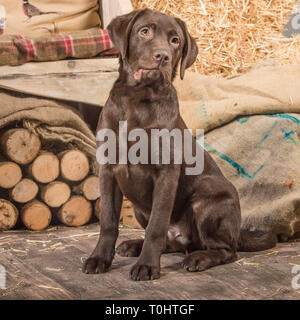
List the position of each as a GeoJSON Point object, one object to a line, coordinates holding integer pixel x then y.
{"type": "Point", "coordinates": [196, 214]}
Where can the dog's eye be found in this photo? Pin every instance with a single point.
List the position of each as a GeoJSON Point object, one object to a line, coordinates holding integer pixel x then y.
{"type": "Point", "coordinates": [175, 40]}
{"type": "Point", "coordinates": [144, 31]}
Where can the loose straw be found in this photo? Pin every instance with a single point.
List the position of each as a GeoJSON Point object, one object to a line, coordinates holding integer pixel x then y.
{"type": "Point", "coordinates": [234, 35]}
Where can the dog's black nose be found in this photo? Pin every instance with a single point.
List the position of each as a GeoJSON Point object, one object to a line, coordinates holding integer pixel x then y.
{"type": "Point", "coordinates": [161, 56]}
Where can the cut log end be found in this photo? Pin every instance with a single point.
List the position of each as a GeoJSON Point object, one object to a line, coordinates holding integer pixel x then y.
{"type": "Point", "coordinates": [75, 212]}
{"type": "Point", "coordinates": [10, 174]}
{"type": "Point", "coordinates": [20, 145]}
{"type": "Point", "coordinates": [89, 188]}
{"type": "Point", "coordinates": [45, 168]}
{"type": "Point", "coordinates": [74, 165]}
{"type": "Point", "coordinates": [55, 194]}
{"type": "Point", "coordinates": [25, 191]}
{"type": "Point", "coordinates": [128, 215]}
{"type": "Point", "coordinates": [8, 215]}
{"type": "Point", "coordinates": [97, 208]}
{"type": "Point", "coordinates": [36, 215]}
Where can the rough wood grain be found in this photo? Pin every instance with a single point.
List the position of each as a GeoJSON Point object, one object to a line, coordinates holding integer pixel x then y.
{"type": "Point", "coordinates": [82, 80]}
{"type": "Point", "coordinates": [20, 146]}
{"type": "Point", "coordinates": [45, 168]}
{"type": "Point", "coordinates": [10, 174]}
{"type": "Point", "coordinates": [55, 193]}
{"type": "Point", "coordinates": [128, 215]}
{"type": "Point", "coordinates": [8, 215]}
{"type": "Point", "coordinates": [36, 215]}
{"type": "Point", "coordinates": [25, 191]}
{"type": "Point", "coordinates": [89, 188]}
{"type": "Point", "coordinates": [74, 165]}
{"type": "Point", "coordinates": [75, 212]}
{"type": "Point", "coordinates": [97, 208]}
{"type": "Point", "coordinates": [47, 265]}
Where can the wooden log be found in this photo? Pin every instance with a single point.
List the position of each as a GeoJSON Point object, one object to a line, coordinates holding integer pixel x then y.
{"type": "Point", "coordinates": [25, 191]}
{"type": "Point", "coordinates": [97, 208]}
{"type": "Point", "coordinates": [74, 165]}
{"type": "Point", "coordinates": [8, 215]}
{"type": "Point", "coordinates": [55, 194]}
{"type": "Point", "coordinates": [128, 215]}
{"type": "Point", "coordinates": [36, 215]}
{"type": "Point", "coordinates": [75, 212]}
{"type": "Point", "coordinates": [10, 174]}
{"type": "Point", "coordinates": [20, 145]}
{"type": "Point", "coordinates": [45, 167]}
{"type": "Point", "coordinates": [88, 188]}
{"type": "Point", "coordinates": [126, 210]}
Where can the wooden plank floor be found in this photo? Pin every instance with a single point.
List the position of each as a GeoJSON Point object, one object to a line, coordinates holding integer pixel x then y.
{"type": "Point", "coordinates": [47, 265]}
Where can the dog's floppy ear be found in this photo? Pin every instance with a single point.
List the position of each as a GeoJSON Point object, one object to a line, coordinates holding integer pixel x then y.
{"type": "Point", "coordinates": [190, 49]}
{"type": "Point", "coordinates": [119, 30]}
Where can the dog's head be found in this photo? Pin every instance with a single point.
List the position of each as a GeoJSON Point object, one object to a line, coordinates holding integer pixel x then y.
{"type": "Point", "coordinates": [151, 45]}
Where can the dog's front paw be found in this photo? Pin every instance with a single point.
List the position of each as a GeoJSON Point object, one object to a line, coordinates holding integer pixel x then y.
{"type": "Point", "coordinates": [143, 272]}
{"type": "Point", "coordinates": [96, 265]}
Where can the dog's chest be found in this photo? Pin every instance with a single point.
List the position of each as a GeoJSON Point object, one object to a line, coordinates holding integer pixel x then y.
{"type": "Point", "coordinates": [135, 182]}
{"type": "Point", "coordinates": [147, 114]}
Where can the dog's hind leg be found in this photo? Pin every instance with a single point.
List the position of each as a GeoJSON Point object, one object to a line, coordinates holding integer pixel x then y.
{"type": "Point", "coordinates": [133, 248]}
{"type": "Point", "coordinates": [217, 232]}
{"type": "Point", "coordinates": [204, 259]}
{"type": "Point", "coordinates": [130, 248]}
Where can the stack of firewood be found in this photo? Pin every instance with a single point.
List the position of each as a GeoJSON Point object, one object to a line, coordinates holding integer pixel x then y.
{"type": "Point", "coordinates": [38, 185]}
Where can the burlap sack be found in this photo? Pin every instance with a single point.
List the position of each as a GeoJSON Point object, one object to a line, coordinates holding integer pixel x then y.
{"type": "Point", "coordinates": [39, 17]}
{"type": "Point", "coordinates": [207, 102]}
{"type": "Point", "coordinates": [57, 124]}
{"type": "Point", "coordinates": [252, 125]}
{"type": "Point", "coordinates": [260, 155]}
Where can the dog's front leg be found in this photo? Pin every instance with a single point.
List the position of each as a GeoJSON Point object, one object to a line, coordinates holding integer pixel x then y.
{"type": "Point", "coordinates": [111, 202]}
{"type": "Point", "coordinates": [164, 193]}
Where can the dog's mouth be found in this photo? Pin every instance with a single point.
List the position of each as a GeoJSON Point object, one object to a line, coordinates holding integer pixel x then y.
{"type": "Point", "coordinates": [147, 74]}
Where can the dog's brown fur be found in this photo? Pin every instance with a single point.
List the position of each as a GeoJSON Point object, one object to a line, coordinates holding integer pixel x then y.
{"type": "Point", "coordinates": [196, 214]}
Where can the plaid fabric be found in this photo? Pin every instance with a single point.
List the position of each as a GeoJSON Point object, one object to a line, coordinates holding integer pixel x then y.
{"type": "Point", "coordinates": [17, 49]}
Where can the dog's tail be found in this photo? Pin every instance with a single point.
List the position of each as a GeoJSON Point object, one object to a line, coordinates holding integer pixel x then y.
{"type": "Point", "coordinates": [256, 240]}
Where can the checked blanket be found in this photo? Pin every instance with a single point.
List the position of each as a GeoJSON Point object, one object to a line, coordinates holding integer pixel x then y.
{"type": "Point", "coordinates": [18, 49]}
